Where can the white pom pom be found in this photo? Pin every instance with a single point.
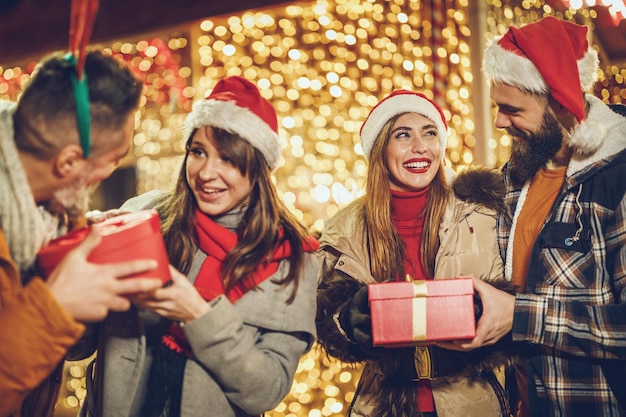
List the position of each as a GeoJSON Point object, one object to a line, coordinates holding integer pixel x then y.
{"type": "Point", "coordinates": [587, 137]}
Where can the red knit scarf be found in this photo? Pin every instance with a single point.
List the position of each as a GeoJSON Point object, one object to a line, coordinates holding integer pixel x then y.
{"type": "Point", "coordinates": [217, 241]}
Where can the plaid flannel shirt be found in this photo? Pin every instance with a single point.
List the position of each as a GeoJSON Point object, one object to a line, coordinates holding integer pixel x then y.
{"type": "Point", "coordinates": [573, 312]}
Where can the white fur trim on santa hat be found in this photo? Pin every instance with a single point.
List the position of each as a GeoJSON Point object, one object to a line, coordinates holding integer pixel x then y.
{"type": "Point", "coordinates": [588, 69]}
{"type": "Point", "coordinates": [503, 66]}
{"type": "Point", "coordinates": [587, 136]}
{"type": "Point", "coordinates": [239, 120]}
{"type": "Point", "coordinates": [398, 104]}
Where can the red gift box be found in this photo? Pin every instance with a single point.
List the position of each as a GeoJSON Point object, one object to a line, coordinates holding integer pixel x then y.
{"type": "Point", "coordinates": [420, 312]}
{"type": "Point", "coordinates": [125, 237]}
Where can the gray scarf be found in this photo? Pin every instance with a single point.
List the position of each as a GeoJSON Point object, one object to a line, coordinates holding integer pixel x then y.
{"type": "Point", "coordinates": [27, 228]}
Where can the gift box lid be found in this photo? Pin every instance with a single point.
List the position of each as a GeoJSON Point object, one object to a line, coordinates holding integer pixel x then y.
{"type": "Point", "coordinates": [430, 288]}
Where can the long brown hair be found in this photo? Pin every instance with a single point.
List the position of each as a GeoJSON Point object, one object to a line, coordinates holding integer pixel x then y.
{"type": "Point", "coordinates": [386, 249]}
{"type": "Point", "coordinates": [259, 232]}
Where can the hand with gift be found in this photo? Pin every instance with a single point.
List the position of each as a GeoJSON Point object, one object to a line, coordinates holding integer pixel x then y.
{"type": "Point", "coordinates": [494, 315]}
{"type": "Point", "coordinates": [108, 286]}
{"type": "Point", "coordinates": [179, 301]}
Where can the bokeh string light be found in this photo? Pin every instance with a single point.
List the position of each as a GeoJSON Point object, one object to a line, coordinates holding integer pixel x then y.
{"type": "Point", "coordinates": [324, 65]}
{"type": "Point", "coordinates": [616, 8]}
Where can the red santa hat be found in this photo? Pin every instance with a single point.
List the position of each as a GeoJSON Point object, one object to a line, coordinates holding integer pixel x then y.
{"type": "Point", "coordinates": [398, 102]}
{"type": "Point", "coordinates": [236, 105]}
{"type": "Point", "coordinates": [550, 56]}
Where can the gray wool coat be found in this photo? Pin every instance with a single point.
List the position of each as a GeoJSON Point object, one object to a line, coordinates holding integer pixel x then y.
{"type": "Point", "coordinates": [245, 354]}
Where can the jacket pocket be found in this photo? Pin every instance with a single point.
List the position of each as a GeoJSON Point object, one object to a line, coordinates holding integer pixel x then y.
{"type": "Point", "coordinates": [567, 236]}
{"type": "Point", "coordinates": [567, 247]}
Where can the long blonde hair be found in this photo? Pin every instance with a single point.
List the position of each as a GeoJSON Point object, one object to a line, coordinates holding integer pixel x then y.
{"type": "Point", "coordinates": [386, 249]}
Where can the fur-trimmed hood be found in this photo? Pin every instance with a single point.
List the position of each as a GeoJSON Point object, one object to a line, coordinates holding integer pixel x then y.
{"type": "Point", "coordinates": [481, 185]}
{"type": "Point", "coordinates": [601, 135]}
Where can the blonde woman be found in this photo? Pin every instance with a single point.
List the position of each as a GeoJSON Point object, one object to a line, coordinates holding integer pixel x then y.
{"type": "Point", "coordinates": [410, 222]}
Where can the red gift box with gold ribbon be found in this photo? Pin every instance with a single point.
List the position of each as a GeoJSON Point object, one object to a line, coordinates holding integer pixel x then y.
{"type": "Point", "coordinates": [421, 312]}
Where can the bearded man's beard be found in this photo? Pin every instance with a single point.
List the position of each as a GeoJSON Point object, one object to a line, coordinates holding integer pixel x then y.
{"type": "Point", "coordinates": [72, 200]}
{"type": "Point", "coordinates": [531, 152]}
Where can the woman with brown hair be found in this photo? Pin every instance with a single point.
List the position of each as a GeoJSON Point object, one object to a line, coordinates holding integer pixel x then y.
{"type": "Point", "coordinates": [226, 339]}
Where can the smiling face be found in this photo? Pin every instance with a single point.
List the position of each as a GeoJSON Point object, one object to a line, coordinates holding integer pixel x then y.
{"type": "Point", "coordinates": [413, 153]}
{"type": "Point", "coordinates": [537, 134]}
{"type": "Point", "coordinates": [216, 182]}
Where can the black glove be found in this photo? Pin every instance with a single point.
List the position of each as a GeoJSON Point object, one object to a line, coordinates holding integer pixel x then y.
{"type": "Point", "coordinates": [355, 319]}
{"type": "Point", "coordinates": [478, 307]}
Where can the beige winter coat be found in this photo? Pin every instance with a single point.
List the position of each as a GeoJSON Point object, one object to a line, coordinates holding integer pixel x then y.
{"type": "Point", "coordinates": [468, 246]}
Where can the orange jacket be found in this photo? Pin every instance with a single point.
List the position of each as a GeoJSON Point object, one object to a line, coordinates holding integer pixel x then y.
{"type": "Point", "coordinates": [35, 334]}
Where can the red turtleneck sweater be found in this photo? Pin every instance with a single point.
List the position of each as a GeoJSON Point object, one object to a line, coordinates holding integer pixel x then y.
{"type": "Point", "coordinates": [406, 213]}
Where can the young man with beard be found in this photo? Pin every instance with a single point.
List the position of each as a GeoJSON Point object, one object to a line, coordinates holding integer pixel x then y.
{"type": "Point", "coordinates": [46, 169]}
{"type": "Point", "coordinates": [564, 241]}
